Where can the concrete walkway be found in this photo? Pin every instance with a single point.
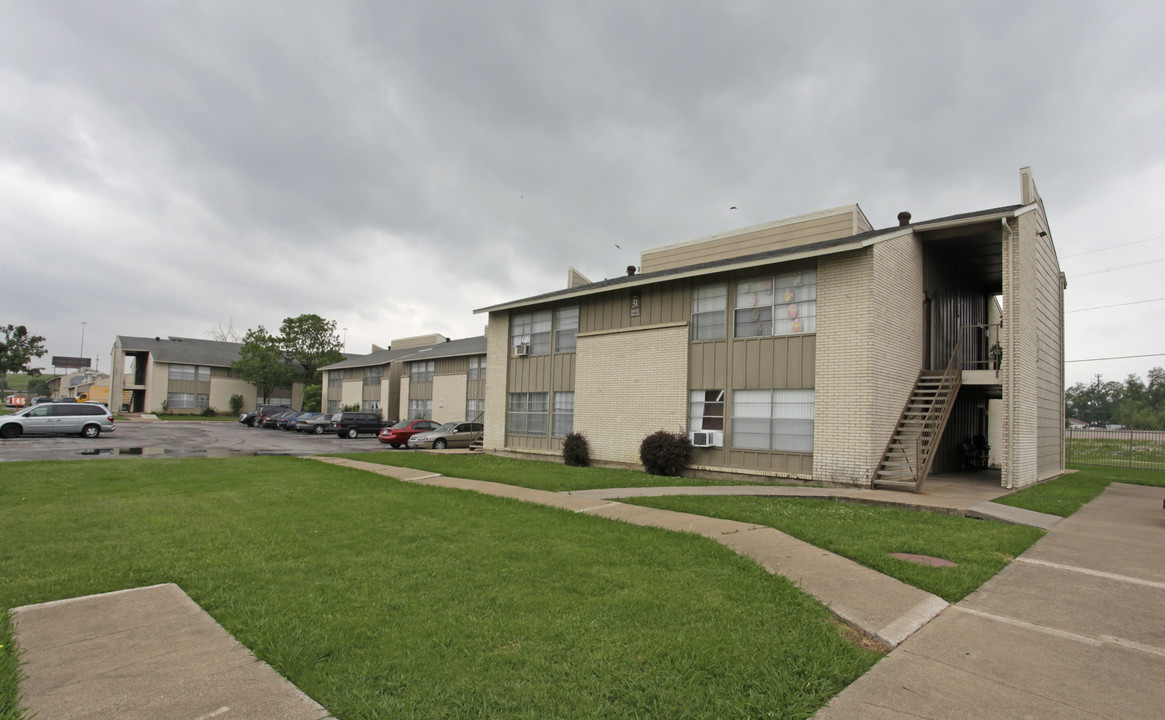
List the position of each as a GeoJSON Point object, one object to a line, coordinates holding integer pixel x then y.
{"type": "Point", "coordinates": [1075, 628]}
{"type": "Point", "coordinates": [144, 654]}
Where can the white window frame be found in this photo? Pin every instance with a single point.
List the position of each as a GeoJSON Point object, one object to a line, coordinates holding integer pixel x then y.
{"type": "Point", "coordinates": [527, 413]}
{"type": "Point", "coordinates": [420, 409]}
{"type": "Point", "coordinates": [180, 401]}
{"type": "Point", "coordinates": [473, 408]}
{"type": "Point", "coordinates": [562, 416]}
{"type": "Point", "coordinates": [709, 305]}
{"type": "Point", "coordinates": [779, 420]}
{"type": "Point", "coordinates": [566, 329]}
{"type": "Point", "coordinates": [182, 372]}
{"type": "Point", "coordinates": [776, 305]}
{"type": "Point", "coordinates": [532, 329]}
{"type": "Point", "coordinates": [700, 402]}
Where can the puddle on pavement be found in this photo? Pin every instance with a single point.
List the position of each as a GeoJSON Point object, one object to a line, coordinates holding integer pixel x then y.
{"type": "Point", "coordinates": [178, 451]}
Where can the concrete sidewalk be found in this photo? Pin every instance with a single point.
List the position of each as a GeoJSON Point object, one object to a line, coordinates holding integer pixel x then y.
{"type": "Point", "coordinates": [144, 654]}
{"type": "Point", "coordinates": [1075, 628]}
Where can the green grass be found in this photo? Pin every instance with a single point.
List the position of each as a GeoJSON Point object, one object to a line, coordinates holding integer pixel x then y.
{"type": "Point", "coordinates": [535, 474]}
{"type": "Point", "coordinates": [868, 534]}
{"type": "Point", "coordinates": [10, 674]}
{"type": "Point", "coordinates": [1068, 493]}
{"type": "Point", "coordinates": [384, 599]}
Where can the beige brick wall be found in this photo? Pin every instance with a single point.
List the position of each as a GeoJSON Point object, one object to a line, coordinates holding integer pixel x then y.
{"type": "Point", "coordinates": [628, 384]}
{"type": "Point", "coordinates": [497, 354]}
{"type": "Point", "coordinates": [844, 371]}
{"type": "Point", "coordinates": [1032, 351]}
{"type": "Point", "coordinates": [449, 397]}
{"type": "Point", "coordinates": [869, 352]}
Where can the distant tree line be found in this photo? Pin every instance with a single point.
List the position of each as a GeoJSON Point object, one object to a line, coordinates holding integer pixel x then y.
{"type": "Point", "coordinates": [1135, 404]}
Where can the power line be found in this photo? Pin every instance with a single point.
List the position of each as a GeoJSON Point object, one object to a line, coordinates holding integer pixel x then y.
{"type": "Point", "coordinates": [1121, 357]}
{"type": "Point", "coordinates": [1102, 307]}
{"type": "Point", "coordinates": [1112, 247]}
{"type": "Point", "coordinates": [1118, 267]}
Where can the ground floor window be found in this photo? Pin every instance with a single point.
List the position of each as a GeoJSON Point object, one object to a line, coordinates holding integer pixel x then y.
{"type": "Point", "coordinates": [706, 410]}
{"type": "Point", "coordinates": [563, 421]}
{"type": "Point", "coordinates": [526, 413]}
{"type": "Point", "coordinates": [370, 406]}
{"type": "Point", "coordinates": [202, 401]}
{"type": "Point", "coordinates": [420, 409]}
{"type": "Point", "coordinates": [180, 401]}
{"type": "Point", "coordinates": [475, 410]}
{"type": "Point", "coordinates": [333, 406]}
{"type": "Point", "coordinates": [773, 420]}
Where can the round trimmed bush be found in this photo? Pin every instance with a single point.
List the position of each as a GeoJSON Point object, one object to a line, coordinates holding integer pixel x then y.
{"type": "Point", "coordinates": [665, 453]}
{"type": "Point", "coordinates": [575, 451]}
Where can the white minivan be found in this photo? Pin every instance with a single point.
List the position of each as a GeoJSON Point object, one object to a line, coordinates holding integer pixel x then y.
{"type": "Point", "coordinates": [67, 418]}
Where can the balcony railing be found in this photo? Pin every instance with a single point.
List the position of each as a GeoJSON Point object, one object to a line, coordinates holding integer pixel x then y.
{"type": "Point", "coordinates": [977, 342]}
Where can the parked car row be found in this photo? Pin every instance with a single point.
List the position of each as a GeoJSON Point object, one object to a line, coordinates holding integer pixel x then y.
{"type": "Point", "coordinates": [351, 424]}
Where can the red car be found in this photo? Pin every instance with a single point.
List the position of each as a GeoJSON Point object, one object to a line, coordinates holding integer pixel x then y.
{"type": "Point", "coordinates": [399, 434]}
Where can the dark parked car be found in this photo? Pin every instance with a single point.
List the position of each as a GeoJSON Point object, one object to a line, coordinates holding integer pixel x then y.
{"type": "Point", "coordinates": [351, 424]}
{"type": "Point", "coordinates": [287, 421]}
{"type": "Point", "coordinates": [449, 435]}
{"type": "Point", "coordinates": [85, 419]}
{"type": "Point", "coordinates": [272, 421]}
{"type": "Point", "coordinates": [317, 424]}
{"type": "Point", "coordinates": [399, 434]}
{"type": "Point", "coordinates": [256, 417]}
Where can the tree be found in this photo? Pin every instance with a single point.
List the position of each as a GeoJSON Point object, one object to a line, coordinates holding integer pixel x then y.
{"type": "Point", "coordinates": [227, 334]}
{"type": "Point", "coordinates": [312, 395]}
{"type": "Point", "coordinates": [312, 342]}
{"type": "Point", "coordinates": [262, 363]}
{"type": "Point", "coordinates": [17, 351]}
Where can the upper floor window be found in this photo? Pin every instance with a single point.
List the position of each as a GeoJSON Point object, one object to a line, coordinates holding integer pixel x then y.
{"type": "Point", "coordinates": [532, 329]}
{"type": "Point", "coordinates": [335, 378]}
{"type": "Point", "coordinates": [203, 373]}
{"type": "Point", "coordinates": [182, 372]}
{"type": "Point", "coordinates": [422, 372]}
{"type": "Point", "coordinates": [372, 376]}
{"type": "Point", "coordinates": [477, 368]}
{"type": "Point", "coordinates": [709, 305]}
{"type": "Point", "coordinates": [566, 329]}
{"type": "Point", "coordinates": [784, 304]}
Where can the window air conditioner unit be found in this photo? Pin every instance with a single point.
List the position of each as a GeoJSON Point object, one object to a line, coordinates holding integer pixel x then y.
{"type": "Point", "coordinates": [522, 350]}
{"type": "Point", "coordinates": [708, 438]}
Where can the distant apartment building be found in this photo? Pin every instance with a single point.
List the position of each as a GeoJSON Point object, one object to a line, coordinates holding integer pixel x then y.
{"type": "Point", "coordinates": [429, 377]}
{"type": "Point", "coordinates": [183, 375]}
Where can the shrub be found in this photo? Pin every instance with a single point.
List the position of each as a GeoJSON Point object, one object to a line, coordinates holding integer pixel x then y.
{"type": "Point", "coordinates": [665, 453]}
{"type": "Point", "coordinates": [351, 408]}
{"type": "Point", "coordinates": [208, 412]}
{"type": "Point", "coordinates": [237, 404]}
{"type": "Point", "coordinates": [575, 451]}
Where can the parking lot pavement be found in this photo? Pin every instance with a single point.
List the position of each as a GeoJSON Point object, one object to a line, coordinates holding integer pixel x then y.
{"type": "Point", "coordinates": [183, 439]}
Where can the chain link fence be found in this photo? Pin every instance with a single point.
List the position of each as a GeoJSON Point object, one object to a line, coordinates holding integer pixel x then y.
{"type": "Point", "coordinates": [1139, 449]}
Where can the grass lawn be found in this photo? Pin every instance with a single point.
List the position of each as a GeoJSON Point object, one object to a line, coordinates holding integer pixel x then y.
{"type": "Point", "coordinates": [535, 474]}
{"type": "Point", "coordinates": [868, 534]}
{"type": "Point", "coordinates": [383, 599]}
{"type": "Point", "coordinates": [1068, 493]}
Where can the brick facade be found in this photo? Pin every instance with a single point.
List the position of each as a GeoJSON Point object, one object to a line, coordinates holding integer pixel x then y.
{"type": "Point", "coordinates": [628, 384]}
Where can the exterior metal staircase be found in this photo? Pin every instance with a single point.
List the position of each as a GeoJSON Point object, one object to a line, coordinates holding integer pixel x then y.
{"type": "Point", "coordinates": [910, 452]}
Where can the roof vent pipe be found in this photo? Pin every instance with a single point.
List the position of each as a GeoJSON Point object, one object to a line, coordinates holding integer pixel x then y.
{"type": "Point", "coordinates": [903, 218]}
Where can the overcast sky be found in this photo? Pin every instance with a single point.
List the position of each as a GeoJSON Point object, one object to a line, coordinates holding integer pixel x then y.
{"type": "Point", "coordinates": [169, 168]}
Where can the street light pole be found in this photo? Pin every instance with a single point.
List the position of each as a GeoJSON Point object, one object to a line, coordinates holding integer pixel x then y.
{"type": "Point", "coordinates": [83, 323]}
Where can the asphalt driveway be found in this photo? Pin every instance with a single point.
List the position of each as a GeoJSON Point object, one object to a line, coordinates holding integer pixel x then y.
{"type": "Point", "coordinates": [183, 439]}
